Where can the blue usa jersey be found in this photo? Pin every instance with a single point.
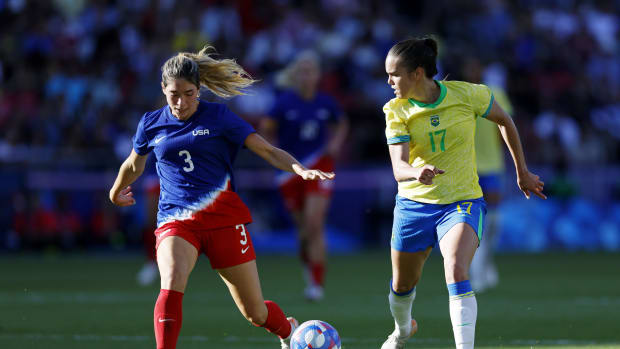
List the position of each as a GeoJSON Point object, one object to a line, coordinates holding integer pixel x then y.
{"type": "Point", "coordinates": [302, 124]}
{"type": "Point", "coordinates": [194, 160]}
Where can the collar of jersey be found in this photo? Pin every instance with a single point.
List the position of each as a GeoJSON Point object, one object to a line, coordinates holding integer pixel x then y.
{"type": "Point", "coordinates": [442, 95]}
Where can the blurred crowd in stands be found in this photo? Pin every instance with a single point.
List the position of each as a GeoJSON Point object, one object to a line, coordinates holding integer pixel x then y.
{"type": "Point", "coordinates": [76, 75]}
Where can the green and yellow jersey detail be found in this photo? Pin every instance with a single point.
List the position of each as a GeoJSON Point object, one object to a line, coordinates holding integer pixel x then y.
{"type": "Point", "coordinates": [440, 134]}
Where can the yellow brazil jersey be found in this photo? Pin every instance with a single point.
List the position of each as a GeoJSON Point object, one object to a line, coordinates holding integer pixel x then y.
{"type": "Point", "coordinates": [489, 147]}
{"type": "Point", "coordinates": [440, 134]}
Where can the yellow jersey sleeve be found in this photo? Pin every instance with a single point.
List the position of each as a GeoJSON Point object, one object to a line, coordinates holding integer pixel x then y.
{"type": "Point", "coordinates": [395, 126]}
{"type": "Point", "coordinates": [481, 99]}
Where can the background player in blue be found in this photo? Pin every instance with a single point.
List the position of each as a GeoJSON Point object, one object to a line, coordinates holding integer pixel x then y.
{"type": "Point", "coordinates": [195, 144]}
{"type": "Point", "coordinates": [309, 124]}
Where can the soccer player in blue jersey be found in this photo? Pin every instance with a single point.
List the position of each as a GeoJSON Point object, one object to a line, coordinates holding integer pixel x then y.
{"type": "Point", "coordinates": [430, 128]}
{"type": "Point", "coordinates": [195, 144]}
{"type": "Point", "coordinates": [309, 124]}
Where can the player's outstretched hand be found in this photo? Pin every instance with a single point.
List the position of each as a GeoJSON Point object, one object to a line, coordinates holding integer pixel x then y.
{"type": "Point", "coordinates": [310, 174]}
{"type": "Point", "coordinates": [124, 198]}
{"type": "Point", "coordinates": [531, 183]}
{"type": "Point", "coordinates": [427, 173]}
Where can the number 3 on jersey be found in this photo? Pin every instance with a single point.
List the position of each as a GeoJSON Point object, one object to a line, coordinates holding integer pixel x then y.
{"type": "Point", "coordinates": [188, 159]}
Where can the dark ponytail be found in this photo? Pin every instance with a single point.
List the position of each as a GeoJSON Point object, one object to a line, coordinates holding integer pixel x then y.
{"type": "Point", "coordinates": [417, 52]}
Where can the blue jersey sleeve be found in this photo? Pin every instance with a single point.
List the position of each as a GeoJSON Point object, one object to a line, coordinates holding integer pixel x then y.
{"type": "Point", "coordinates": [237, 129]}
{"type": "Point", "coordinates": [140, 141]}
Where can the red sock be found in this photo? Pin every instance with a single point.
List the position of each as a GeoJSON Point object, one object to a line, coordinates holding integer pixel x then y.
{"type": "Point", "coordinates": [168, 316]}
{"type": "Point", "coordinates": [318, 273]}
{"type": "Point", "coordinates": [276, 321]}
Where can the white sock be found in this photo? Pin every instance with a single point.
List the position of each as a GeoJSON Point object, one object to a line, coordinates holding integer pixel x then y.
{"type": "Point", "coordinates": [400, 306]}
{"type": "Point", "coordinates": [463, 313]}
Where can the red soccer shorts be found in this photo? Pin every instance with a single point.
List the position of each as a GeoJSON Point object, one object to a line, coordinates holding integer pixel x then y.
{"type": "Point", "coordinates": [225, 247]}
{"type": "Point", "coordinates": [295, 190]}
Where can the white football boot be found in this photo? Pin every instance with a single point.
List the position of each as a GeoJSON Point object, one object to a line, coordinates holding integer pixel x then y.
{"type": "Point", "coordinates": [395, 341]}
{"type": "Point", "coordinates": [314, 293]}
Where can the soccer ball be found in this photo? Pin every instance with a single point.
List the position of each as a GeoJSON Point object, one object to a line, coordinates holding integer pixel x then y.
{"type": "Point", "coordinates": [315, 334]}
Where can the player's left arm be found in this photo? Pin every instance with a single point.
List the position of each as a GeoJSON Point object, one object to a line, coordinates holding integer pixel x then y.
{"type": "Point", "coordinates": [281, 159]}
{"type": "Point", "coordinates": [527, 181]}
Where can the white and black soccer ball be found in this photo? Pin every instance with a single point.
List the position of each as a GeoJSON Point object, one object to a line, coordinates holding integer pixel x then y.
{"type": "Point", "coordinates": [315, 334]}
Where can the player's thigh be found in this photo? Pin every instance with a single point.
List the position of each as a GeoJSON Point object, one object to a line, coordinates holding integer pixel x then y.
{"type": "Point", "coordinates": [458, 247]}
{"type": "Point", "coordinates": [244, 285]}
{"type": "Point", "coordinates": [292, 193]}
{"type": "Point", "coordinates": [407, 268]}
{"type": "Point", "coordinates": [315, 209]}
{"type": "Point", "coordinates": [176, 258]}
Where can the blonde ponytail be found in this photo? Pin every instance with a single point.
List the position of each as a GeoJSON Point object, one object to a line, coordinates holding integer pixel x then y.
{"type": "Point", "coordinates": [223, 77]}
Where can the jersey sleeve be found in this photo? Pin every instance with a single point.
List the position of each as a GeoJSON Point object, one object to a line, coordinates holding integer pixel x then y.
{"type": "Point", "coordinates": [140, 141]}
{"type": "Point", "coordinates": [481, 99]}
{"type": "Point", "coordinates": [395, 128]}
{"type": "Point", "coordinates": [237, 129]}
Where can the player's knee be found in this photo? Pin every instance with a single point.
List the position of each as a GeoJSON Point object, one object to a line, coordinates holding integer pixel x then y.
{"type": "Point", "coordinates": [314, 229]}
{"type": "Point", "coordinates": [256, 315]}
{"type": "Point", "coordinates": [173, 278]}
{"type": "Point", "coordinates": [404, 286]}
{"type": "Point", "coordinates": [455, 271]}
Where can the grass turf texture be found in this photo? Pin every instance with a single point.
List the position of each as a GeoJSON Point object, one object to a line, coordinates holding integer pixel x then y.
{"type": "Point", "coordinates": [92, 301]}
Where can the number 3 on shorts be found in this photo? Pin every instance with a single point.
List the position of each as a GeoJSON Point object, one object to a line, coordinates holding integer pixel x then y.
{"type": "Point", "coordinates": [244, 236]}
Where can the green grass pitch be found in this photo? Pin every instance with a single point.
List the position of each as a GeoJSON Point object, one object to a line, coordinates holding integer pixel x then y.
{"type": "Point", "coordinates": [92, 301]}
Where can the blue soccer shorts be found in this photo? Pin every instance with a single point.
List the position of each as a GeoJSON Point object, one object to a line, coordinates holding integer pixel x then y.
{"type": "Point", "coordinates": [418, 225]}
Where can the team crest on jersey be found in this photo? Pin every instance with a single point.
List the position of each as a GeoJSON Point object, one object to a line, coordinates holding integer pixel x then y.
{"type": "Point", "coordinates": [435, 120]}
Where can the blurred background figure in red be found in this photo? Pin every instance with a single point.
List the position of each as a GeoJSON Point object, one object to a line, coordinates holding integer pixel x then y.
{"type": "Point", "coordinates": [311, 125]}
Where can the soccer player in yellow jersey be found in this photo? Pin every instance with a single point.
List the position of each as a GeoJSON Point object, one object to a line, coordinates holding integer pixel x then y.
{"type": "Point", "coordinates": [430, 128]}
{"type": "Point", "coordinates": [490, 163]}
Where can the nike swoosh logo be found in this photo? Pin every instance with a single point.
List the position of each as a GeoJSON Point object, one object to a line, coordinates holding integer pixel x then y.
{"type": "Point", "coordinates": [164, 320]}
{"type": "Point", "coordinates": [161, 235]}
{"type": "Point", "coordinates": [465, 324]}
{"type": "Point", "coordinates": [244, 250]}
{"type": "Point", "coordinates": [159, 139]}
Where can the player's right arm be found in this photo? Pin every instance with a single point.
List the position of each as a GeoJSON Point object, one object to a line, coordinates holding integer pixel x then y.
{"type": "Point", "coordinates": [403, 171]}
{"type": "Point", "coordinates": [130, 170]}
